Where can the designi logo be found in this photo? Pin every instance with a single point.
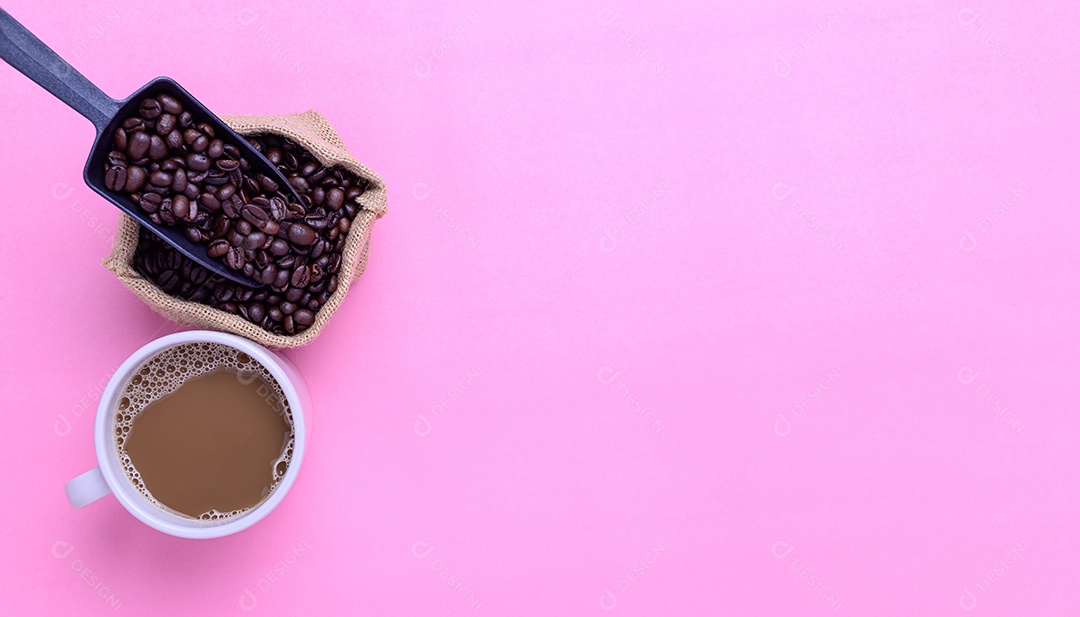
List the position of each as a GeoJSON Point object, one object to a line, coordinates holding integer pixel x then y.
{"type": "Point", "coordinates": [608, 601]}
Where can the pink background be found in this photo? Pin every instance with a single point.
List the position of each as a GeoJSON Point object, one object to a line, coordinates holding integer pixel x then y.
{"type": "Point", "coordinates": [762, 308]}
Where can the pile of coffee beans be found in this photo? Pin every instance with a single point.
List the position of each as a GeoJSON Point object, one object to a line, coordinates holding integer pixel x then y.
{"type": "Point", "coordinates": [293, 248]}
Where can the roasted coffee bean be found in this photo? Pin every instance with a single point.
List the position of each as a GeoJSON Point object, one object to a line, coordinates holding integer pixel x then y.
{"type": "Point", "coordinates": [185, 120]}
{"type": "Point", "coordinates": [180, 206]}
{"type": "Point", "coordinates": [137, 145]}
{"type": "Point", "coordinates": [191, 135]}
{"type": "Point", "coordinates": [268, 274]}
{"type": "Point", "coordinates": [216, 177]}
{"type": "Point", "coordinates": [218, 248]}
{"type": "Point", "coordinates": [133, 124]}
{"type": "Point", "coordinates": [303, 317]}
{"type": "Point", "coordinates": [161, 178]}
{"type": "Point", "coordinates": [231, 206]}
{"type": "Point", "coordinates": [281, 281]}
{"type": "Point", "coordinates": [174, 140]}
{"type": "Point", "coordinates": [120, 139]}
{"type": "Point", "coordinates": [294, 294]}
{"type": "Point", "coordinates": [227, 164]}
{"type": "Point", "coordinates": [221, 228]}
{"type": "Point", "coordinates": [201, 143]}
{"type": "Point", "coordinates": [157, 150]}
{"type": "Point", "coordinates": [149, 109]}
{"type": "Point", "coordinates": [267, 183]}
{"type": "Point", "coordinates": [315, 222]}
{"type": "Point", "coordinates": [179, 181]}
{"type": "Point", "coordinates": [168, 280]}
{"type": "Point", "coordinates": [279, 247]}
{"type": "Point", "coordinates": [256, 312]}
{"type": "Point", "coordinates": [255, 215]}
{"type": "Point", "coordinates": [224, 293]}
{"type": "Point", "coordinates": [206, 129]}
{"type": "Point", "coordinates": [198, 162]}
{"type": "Point", "coordinates": [165, 124]}
{"type": "Point", "coordinates": [136, 178]}
{"type": "Point", "coordinates": [235, 258]}
{"type": "Point", "coordinates": [165, 212]}
{"type": "Point", "coordinates": [277, 208]}
{"type": "Point", "coordinates": [299, 183]}
{"type": "Point", "coordinates": [300, 277]}
{"type": "Point", "coordinates": [294, 210]}
{"type": "Point", "coordinates": [115, 178]}
{"type": "Point", "coordinates": [301, 234]}
{"type": "Point", "coordinates": [225, 191]}
{"type": "Point", "coordinates": [287, 261]}
{"type": "Point", "coordinates": [335, 198]}
{"type": "Point", "coordinates": [170, 104]}
{"type": "Point", "coordinates": [216, 149]}
{"type": "Point", "coordinates": [254, 240]}
{"type": "Point", "coordinates": [174, 260]}
{"type": "Point", "coordinates": [193, 234]}
{"type": "Point", "coordinates": [209, 202]}
{"type": "Point", "coordinates": [150, 202]}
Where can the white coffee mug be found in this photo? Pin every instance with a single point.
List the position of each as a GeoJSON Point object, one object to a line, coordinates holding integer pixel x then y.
{"type": "Point", "coordinates": [109, 477]}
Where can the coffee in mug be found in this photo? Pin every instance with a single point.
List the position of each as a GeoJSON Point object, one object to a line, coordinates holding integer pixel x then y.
{"type": "Point", "coordinates": [203, 431]}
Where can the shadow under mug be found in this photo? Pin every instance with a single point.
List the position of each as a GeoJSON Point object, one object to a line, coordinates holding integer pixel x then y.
{"type": "Point", "coordinates": [109, 476]}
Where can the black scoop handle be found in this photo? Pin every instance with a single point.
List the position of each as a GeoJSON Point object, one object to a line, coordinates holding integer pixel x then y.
{"type": "Point", "coordinates": [24, 51]}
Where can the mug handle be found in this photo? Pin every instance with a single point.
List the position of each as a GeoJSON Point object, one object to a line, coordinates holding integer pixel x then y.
{"type": "Point", "coordinates": [87, 488]}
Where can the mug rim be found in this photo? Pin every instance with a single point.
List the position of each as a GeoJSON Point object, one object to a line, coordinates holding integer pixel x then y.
{"type": "Point", "coordinates": [122, 487]}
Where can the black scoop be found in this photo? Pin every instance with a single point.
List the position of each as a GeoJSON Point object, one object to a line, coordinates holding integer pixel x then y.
{"type": "Point", "coordinates": [25, 52]}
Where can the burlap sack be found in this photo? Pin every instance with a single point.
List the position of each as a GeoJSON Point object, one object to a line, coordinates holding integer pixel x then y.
{"type": "Point", "coordinates": [311, 131]}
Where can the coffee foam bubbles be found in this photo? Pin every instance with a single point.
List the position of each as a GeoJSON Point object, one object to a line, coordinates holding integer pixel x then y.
{"type": "Point", "coordinates": [169, 369]}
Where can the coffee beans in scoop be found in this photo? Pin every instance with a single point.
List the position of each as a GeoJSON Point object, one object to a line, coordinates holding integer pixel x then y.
{"type": "Point", "coordinates": [180, 173]}
{"type": "Point", "coordinates": [293, 248]}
